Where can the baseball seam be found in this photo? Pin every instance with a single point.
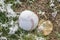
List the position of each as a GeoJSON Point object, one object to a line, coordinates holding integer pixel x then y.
{"type": "Point", "coordinates": [32, 24]}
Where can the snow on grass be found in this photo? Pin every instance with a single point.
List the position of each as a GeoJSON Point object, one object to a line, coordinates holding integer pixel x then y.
{"type": "Point", "coordinates": [12, 25]}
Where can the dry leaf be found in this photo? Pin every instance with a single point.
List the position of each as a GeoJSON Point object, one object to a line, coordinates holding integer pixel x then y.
{"type": "Point", "coordinates": [47, 26]}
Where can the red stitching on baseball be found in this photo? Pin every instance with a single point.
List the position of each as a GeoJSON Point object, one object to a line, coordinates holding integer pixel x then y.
{"type": "Point", "coordinates": [32, 24]}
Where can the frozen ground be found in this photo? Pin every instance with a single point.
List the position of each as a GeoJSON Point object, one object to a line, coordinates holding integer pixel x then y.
{"type": "Point", "coordinates": [45, 9]}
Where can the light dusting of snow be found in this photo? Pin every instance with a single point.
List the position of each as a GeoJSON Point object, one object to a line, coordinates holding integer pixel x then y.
{"type": "Point", "coordinates": [52, 5]}
{"type": "Point", "coordinates": [18, 1]}
{"type": "Point", "coordinates": [13, 29]}
{"type": "Point", "coordinates": [2, 1]}
{"type": "Point", "coordinates": [54, 14]}
{"type": "Point", "coordinates": [3, 38]}
{"type": "Point", "coordinates": [51, 1]}
{"type": "Point", "coordinates": [11, 22]}
{"type": "Point", "coordinates": [54, 9]}
{"type": "Point", "coordinates": [41, 13]}
{"type": "Point", "coordinates": [0, 33]}
{"type": "Point", "coordinates": [58, 0]}
{"type": "Point", "coordinates": [0, 23]}
{"type": "Point", "coordinates": [7, 8]}
{"type": "Point", "coordinates": [10, 11]}
{"type": "Point", "coordinates": [29, 34]}
{"type": "Point", "coordinates": [4, 25]}
{"type": "Point", "coordinates": [40, 38]}
{"type": "Point", "coordinates": [2, 7]}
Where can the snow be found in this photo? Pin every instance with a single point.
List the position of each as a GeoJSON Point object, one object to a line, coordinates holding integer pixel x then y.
{"type": "Point", "coordinates": [40, 38]}
{"type": "Point", "coordinates": [52, 5]}
{"type": "Point", "coordinates": [2, 7]}
{"type": "Point", "coordinates": [58, 0]}
{"type": "Point", "coordinates": [54, 14]}
{"type": "Point", "coordinates": [11, 22]}
{"type": "Point", "coordinates": [4, 25]}
{"type": "Point", "coordinates": [0, 33]}
{"type": "Point", "coordinates": [7, 8]}
{"type": "Point", "coordinates": [41, 13]}
{"type": "Point", "coordinates": [13, 29]}
{"type": "Point", "coordinates": [3, 38]}
{"type": "Point", "coordinates": [51, 1]}
{"type": "Point", "coordinates": [10, 11]}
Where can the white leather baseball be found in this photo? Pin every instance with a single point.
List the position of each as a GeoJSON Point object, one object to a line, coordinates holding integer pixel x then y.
{"type": "Point", "coordinates": [28, 20]}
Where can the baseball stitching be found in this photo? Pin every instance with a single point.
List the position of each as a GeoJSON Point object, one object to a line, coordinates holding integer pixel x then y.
{"type": "Point", "coordinates": [32, 24]}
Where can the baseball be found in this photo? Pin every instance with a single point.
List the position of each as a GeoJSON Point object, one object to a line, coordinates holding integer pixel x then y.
{"type": "Point", "coordinates": [28, 20]}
